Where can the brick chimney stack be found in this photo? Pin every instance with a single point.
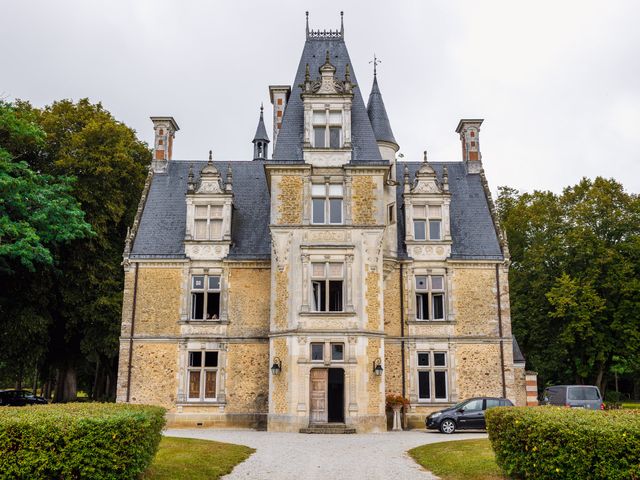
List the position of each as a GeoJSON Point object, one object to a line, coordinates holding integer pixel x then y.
{"type": "Point", "coordinates": [279, 97]}
{"type": "Point", "coordinates": [165, 129]}
{"type": "Point", "coordinates": [469, 130]}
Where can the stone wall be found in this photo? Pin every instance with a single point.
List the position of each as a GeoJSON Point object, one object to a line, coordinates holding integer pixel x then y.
{"type": "Point", "coordinates": [154, 374]}
{"type": "Point", "coordinates": [290, 200]}
{"type": "Point", "coordinates": [520, 387]}
{"type": "Point", "coordinates": [392, 316]}
{"type": "Point", "coordinates": [373, 300]}
{"type": "Point", "coordinates": [247, 382]}
{"type": "Point", "coordinates": [478, 370]}
{"type": "Point", "coordinates": [249, 299]}
{"type": "Point", "coordinates": [363, 200]}
{"type": "Point", "coordinates": [280, 381]}
{"type": "Point", "coordinates": [474, 301]}
{"type": "Point", "coordinates": [392, 367]}
{"type": "Point", "coordinates": [376, 401]}
{"type": "Point", "coordinates": [281, 301]}
{"type": "Point", "coordinates": [158, 301]}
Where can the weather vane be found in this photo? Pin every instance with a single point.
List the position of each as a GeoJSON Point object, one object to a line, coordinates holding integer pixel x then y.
{"type": "Point", "coordinates": [376, 61]}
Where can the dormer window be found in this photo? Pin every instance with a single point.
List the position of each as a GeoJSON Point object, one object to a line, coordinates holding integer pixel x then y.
{"type": "Point", "coordinates": [326, 203]}
{"type": "Point", "coordinates": [327, 129]}
{"type": "Point", "coordinates": [208, 222]}
{"type": "Point", "coordinates": [427, 222]}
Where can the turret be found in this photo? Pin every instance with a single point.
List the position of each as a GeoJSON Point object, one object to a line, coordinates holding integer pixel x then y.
{"type": "Point", "coordinates": [261, 139]}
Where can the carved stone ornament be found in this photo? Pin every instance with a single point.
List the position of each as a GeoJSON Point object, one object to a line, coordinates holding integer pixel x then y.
{"type": "Point", "coordinates": [210, 186]}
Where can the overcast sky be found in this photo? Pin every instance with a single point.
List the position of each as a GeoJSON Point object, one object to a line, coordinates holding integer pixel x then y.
{"type": "Point", "coordinates": [557, 82]}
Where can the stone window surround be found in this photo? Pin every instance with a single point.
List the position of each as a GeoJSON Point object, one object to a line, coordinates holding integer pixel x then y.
{"type": "Point", "coordinates": [223, 317]}
{"type": "Point", "coordinates": [327, 123]}
{"type": "Point", "coordinates": [427, 218]}
{"type": "Point", "coordinates": [187, 346]}
{"type": "Point", "coordinates": [210, 201]}
{"type": "Point", "coordinates": [445, 226]}
{"type": "Point", "coordinates": [311, 255]}
{"type": "Point", "coordinates": [349, 354]}
{"type": "Point", "coordinates": [327, 197]}
{"type": "Point", "coordinates": [327, 357]}
{"type": "Point", "coordinates": [429, 291]}
{"type": "Point", "coordinates": [412, 273]}
{"type": "Point", "coordinates": [334, 104]}
{"type": "Point", "coordinates": [432, 368]}
{"type": "Point", "coordinates": [307, 210]}
{"type": "Point", "coordinates": [435, 346]}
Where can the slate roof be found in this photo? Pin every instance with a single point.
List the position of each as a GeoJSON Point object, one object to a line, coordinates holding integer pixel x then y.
{"type": "Point", "coordinates": [378, 114]}
{"type": "Point", "coordinates": [162, 226]}
{"type": "Point", "coordinates": [472, 230]}
{"type": "Point", "coordinates": [518, 357]}
{"type": "Point", "coordinates": [261, 131]}
{"type": "Point", "coordinates": [289, 144]}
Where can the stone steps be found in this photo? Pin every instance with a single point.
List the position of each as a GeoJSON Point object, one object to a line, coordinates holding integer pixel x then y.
{"type": "Point", "coordinates": [328, 428]}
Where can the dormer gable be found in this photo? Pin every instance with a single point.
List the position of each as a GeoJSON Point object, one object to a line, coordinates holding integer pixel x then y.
{"type": "Point", "coordinates": [209, 213]}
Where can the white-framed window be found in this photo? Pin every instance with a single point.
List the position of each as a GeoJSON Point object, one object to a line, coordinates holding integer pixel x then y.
{"type": "Point", "coordinates": [430, 297]}
{"type": "Point", "coordinates": [337, 352]}
{"type": "Point", "coordinates": [326, 203]}
{"type": "Point", "coordinates": [327, 286]}
{"type": "Point", "coordinates": [433, 376]}
{"type": "Point", "coordinates": [427, 222]}
{"type": "Point", "coordinates": [207, 222]}
{"type": "Point", "coordinates": [327, 129]}
{"type": "Point", "coordinates": [202, 375]}
{"type": "Point", "coordinates": [205, 297]}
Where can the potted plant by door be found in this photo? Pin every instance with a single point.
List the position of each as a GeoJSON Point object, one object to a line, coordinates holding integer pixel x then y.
{"type": "Point", "coordinates": [395, 402]}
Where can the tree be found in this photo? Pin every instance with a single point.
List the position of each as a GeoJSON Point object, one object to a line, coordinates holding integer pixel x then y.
{"type": "Point", "coordinates": [575, 279]}
{"type": "Point", "coordinates": [37, 215]}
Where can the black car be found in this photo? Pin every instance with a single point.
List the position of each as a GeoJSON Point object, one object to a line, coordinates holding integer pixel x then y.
{"type": "Point", "coordinates": [19, 398]}
{"type": "Point", "coordinates": [467, 414]}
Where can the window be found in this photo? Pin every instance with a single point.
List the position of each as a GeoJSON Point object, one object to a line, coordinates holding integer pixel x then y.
{"type": "Point", "coordinates": [427, 222]}
{"type": "Point", "coordinates": [326, 203]}
{"type": "Point", "coordinates": [429, 297]}
{"type": "Point", "coordinates": [337, 352]}
{"type": "Point", "coordinates": [391, 213]}
{"type": "Point", "coordinates": [493, 402]}
{"type": "Point", "coordinates": [327, 286]}
{"type": "Point", "coordinates": [432, 376]}
{"type": "Point", "coordinates": [202, 375]}
{"type": "Point", "coordinates": [208, 222]}
{"type": "Point", "coordinates": [317, 352]}
{"type": "Point", "coordinates": [327, 129]}
{"type": "Point", "coordinates": [205, 297]}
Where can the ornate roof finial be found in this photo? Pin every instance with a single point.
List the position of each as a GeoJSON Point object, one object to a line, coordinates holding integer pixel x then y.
{"type": "Point", "coordinates": [261, 108]}
{"type": "Point", "coordinates": [347, 73]}
{"type": "Point", "coordinates": [307, 15]}
{"type": "Point", "coordinates": [376, 61]}
{"type": "Point", "coordinates": [425, 156]}
{"type": "Point", "coordinates": [229, 186]}
{"type": "Point", "coordinates": [210, 156]}
{"type": "Point", "coordinates": [406, 174]}
{"type": "Point", "coordinates": [445, 178]}
{"type": "Point", "coordinates": [342, 23]}
{"type": "Point", "coordinates": [326, 60]}
{"type": "Point", "coordinates": [191, 185]}
{"type": "Point", "coordinates": [307, 75]}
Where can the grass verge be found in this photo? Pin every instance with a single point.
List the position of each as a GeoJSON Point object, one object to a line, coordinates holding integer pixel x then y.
{"type": "Point", "coordinates": [459, 460]}
{"type": "Point", "coordinates": [187, 458]}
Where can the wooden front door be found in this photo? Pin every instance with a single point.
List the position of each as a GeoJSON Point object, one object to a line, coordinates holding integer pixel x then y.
{"type": "Point", "coordinates": [318, 413]}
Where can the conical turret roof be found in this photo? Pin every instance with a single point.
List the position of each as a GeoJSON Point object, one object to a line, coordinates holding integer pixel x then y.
{"type": "Point", "coordinates": [378, 115]}
{"type": "Point", "coordinates": [261, 131]}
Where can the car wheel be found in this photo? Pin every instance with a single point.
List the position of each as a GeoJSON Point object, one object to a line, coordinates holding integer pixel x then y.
{"type": "Point", "coordinates": [448, 426]}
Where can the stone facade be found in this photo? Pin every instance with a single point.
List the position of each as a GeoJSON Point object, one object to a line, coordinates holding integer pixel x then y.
{"type": "Point", "coordinates": [303, 289]}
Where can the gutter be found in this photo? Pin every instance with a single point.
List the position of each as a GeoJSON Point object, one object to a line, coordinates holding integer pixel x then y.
{"type": "Point", "coordinates": [402, 359]}
{"type": "Point", "coordinates": [133, 324]}
{"type": "Point", "coordinates": [504, 383]}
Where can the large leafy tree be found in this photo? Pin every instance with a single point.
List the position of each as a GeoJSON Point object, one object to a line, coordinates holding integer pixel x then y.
{"type": "Point", "coordinates": [575, 279]}
{"type": "Point", "coordinates": [38, 214]}
{"type": "Point", "coordinates": [84, 287]}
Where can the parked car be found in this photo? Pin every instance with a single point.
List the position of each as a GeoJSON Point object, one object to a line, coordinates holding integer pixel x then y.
{"type": "Point", "coordinates": [19, 398]}
{"type": "Point", "coordinates": [576, 396]}
{"type": "Point", "coordinates": [465, 415]}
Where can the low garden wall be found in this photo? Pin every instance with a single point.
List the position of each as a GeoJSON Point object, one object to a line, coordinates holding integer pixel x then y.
{"type": "Point", "coordinates": [567, 443]}
{"type": "Point", "coordinates": [78, 440]}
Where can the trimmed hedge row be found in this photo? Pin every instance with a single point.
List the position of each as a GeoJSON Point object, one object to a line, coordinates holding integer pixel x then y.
{"type": "Point", "coordinates": [566, 443]}
{"type": "Point", "coordinates": [78, 440]}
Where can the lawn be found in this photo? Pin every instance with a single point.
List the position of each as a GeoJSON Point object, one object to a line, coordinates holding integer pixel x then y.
{"type": "Point", "coordinates": [460, 460]}
{"type": "Point", "coordinates": [186, 458]}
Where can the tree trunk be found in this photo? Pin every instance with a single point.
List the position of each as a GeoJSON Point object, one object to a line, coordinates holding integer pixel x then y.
{"type": "Point", "coordinates": [601, 381]}
{"type": "Point", "coordinates": [66, 388]}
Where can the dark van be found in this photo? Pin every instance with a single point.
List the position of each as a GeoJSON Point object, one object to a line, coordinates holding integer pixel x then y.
{"type": "Point", "coordinates": [576, 396]}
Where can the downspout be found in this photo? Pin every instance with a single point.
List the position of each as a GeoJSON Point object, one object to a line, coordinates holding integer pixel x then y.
{"type": "Point", "coordinates": [504, 383]}
{"type": "Point", "coordinates": [402, 360]}
{"type": "Point", "coordinates": [133, 324]}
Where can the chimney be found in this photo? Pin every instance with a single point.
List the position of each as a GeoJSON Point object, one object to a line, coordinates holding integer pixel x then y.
{"type": "Point", "coordinates": [165, 129]}
{"type": "Point", "coordinates": [279, 97]}
{"type": "Point", "coordinates": [469, 130]}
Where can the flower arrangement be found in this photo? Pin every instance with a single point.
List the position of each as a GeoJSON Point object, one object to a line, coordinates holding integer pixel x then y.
{"type": "Point", "coordinates": [396, 400]}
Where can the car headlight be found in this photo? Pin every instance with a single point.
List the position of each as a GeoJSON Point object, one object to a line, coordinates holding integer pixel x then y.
{"type": "Point", "coordinates": [434, 415]}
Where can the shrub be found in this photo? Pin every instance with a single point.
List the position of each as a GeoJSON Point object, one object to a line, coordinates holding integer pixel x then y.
{"type": "Point", "coordinates": [568, 443]}
{"type": "Point", "coordinates": [78, 440]}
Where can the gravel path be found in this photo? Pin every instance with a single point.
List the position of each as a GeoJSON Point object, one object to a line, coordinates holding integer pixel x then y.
{"type": "Point", "coordinates": [295, 456]}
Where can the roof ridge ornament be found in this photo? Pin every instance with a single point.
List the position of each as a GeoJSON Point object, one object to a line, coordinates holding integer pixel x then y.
{"type": "Point", "coordinates": [376, 61]}
{"type": "Point", "coordinates": [325, 34]}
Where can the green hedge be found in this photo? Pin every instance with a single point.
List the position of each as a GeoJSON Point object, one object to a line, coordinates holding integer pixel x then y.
{"type": "Point", "coordinates": [78, 440]}
{"type": "Point", "coordinates": [566, 443]}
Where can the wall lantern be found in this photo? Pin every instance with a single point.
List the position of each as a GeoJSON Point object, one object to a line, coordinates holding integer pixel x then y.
{"type": "Point", "coordinates": [276, 368]}
{"type": "Point", "coordinates": [377, 367]}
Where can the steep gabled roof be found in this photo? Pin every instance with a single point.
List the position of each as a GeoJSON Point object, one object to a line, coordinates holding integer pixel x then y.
{"type": "Point", "coordinates": [378, 115]}
{"type": "Point", "coordinates": [290, 137]}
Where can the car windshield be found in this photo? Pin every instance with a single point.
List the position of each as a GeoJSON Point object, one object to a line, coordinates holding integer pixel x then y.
{"type": "Point", "coordinates": [583, 393]}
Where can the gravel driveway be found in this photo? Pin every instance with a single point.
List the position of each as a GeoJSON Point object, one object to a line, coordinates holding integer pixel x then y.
{"type": "Point", "coordinates": [297, 456]}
